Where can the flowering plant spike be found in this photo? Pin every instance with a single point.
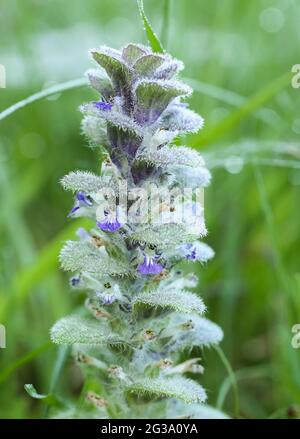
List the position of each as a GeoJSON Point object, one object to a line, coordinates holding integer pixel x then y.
{"type": "Point", "coordinates": [141, 313]}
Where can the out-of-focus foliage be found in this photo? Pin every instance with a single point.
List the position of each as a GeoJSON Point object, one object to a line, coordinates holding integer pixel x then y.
{"type": "Point", "coordinates": [238, 55]}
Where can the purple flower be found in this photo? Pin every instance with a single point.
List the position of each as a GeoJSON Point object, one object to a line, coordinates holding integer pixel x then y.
{"type": "Point", "coordinates": [73, 210]}
{"type": "Point", "coordinates": [81, 200]}
{"type": "Point", "coordinates": [108, 299]}
{"type": "Point", "coordinates": [197, 251]}
{"type": "Point", "coordinates": [110, 223]}
{"type": "Point", "coordinates": [74, 281]}
{"type": "Point", "coordinates": [101, 105]}
{"type": "Point", "coordinates": [190, 251]}
{"type": "Point", "coordinates": [149, 266]}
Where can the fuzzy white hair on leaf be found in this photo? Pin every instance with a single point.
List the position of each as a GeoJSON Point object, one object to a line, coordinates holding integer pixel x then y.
{"type": "Point", "coordinates": [179, 300]}
{"type": "Point", "coordinates": [177, 387]}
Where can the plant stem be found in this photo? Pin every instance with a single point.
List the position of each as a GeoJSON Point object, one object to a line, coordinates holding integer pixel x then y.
{"type": "Point", "coordinates": [231, 376]}
{"type": "Point", "coordinates": [74, 83]}
{"type": "Point", "coordinates": [58, 367]}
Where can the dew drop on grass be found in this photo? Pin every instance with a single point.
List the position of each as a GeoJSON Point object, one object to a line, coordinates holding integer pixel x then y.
{"type": "Point", "coordinates": [234, 164]}
{"type": "Point", "coordinates": [271, 20]}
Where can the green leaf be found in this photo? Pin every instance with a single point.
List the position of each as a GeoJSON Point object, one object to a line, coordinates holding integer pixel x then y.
{"type": "Point", "coordinates": [132, 52]}
{"type": "Point", "coordinates": [162, 236]}
{"type": "Point", "coordinates": [76, 329]}
{"type": "Point", "coordinates": [169, 69]}
{"type": "Point", "coordinates": [49, 399]}
{"type": "Point", "coordinates": [33, 393]}
{"type": "Point", "coordinates": [110, 60]}
{"type": "Point", "coordinates": [100, 81]}
{"type": "Point", "coordinates": [181, 120]}
{"type": "Point", "coordinates": [198, 331]}
{"type": "Point", "coordinates": [153, 96]}
{"type": "Point", "coordinates": [83, 181]}
{"type": "Point", "coordinates": [147, 64]}
{"type": "Point", "coordinates": [151, 35]}
{"type": "Point", "coordinates": [84, 256]}
{"type": "Point", "coordinates": [172, 156]}
{"type": "Point", "coordinates": [95, 129]}
{"type": "Point", "coordinates": [177, 387]}
{"type": "Point", "coordinates": [179, 301]}
{"type": "Point", "coordinates": [113, 117]}
{"type": "Point", "coordinates": [206, 332]}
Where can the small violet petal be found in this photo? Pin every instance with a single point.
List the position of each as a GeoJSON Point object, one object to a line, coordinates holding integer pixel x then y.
{"type": "Point", "coordinates": [81, 200]}
{"type": "Point", "coordinates": [81, 197]}
{"type": "Point", "coordinates": [109, 225]}
{"type": "Point", "coordinates": [109, 299]}
{"type": "Point", "coordinates": [189, 251]}
{"type": "Point", "coordinates": [101, 105]}
{"type": "Point", "coordinates": [73, 210]}
{"type": "Point", "coordinates": [74, 281]}
{"type": "Point", "coordinates": [149, 266]}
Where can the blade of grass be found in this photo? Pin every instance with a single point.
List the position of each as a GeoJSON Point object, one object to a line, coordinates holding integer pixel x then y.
{"type": "Point", "coordinates": [253, 147]}
{"type": "Point", "coordinates": [49, 400]}
{"type": "Point", "coordinates": [58, 88]}
{"type": "Point", "coordinates": [280, 269]}
{"type": "Point", "coordinates": [7, 371]}
{"type": "Point", "coordinates": [228, 97]}
{"type": "Point", "coordinates": [248, 373]}
{"type": "Point", "coordinates": [57, 371]}
{"type": "Point", "coordinates": [231, 377]}
{"type": "Point", "coordinates": [222, 94]}
{"type": "Point", "coordinates": [214, 162]}
{"type": "Point", "coordinates": [153, 39]}
{"type": "Point", "coordinates": [286, 292]}
{"type": "Point", "coordinates": [233, 119]}
{"type": "Point", "coordinates": [61, 358]}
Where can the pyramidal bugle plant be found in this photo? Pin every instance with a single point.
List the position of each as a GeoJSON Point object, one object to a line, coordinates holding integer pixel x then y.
{"type": "Point", "coordinates": [141, 323]}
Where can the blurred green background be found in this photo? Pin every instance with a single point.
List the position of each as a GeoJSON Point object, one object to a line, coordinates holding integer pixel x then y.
{"type": "Point", "coordinates": [238, 57]}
